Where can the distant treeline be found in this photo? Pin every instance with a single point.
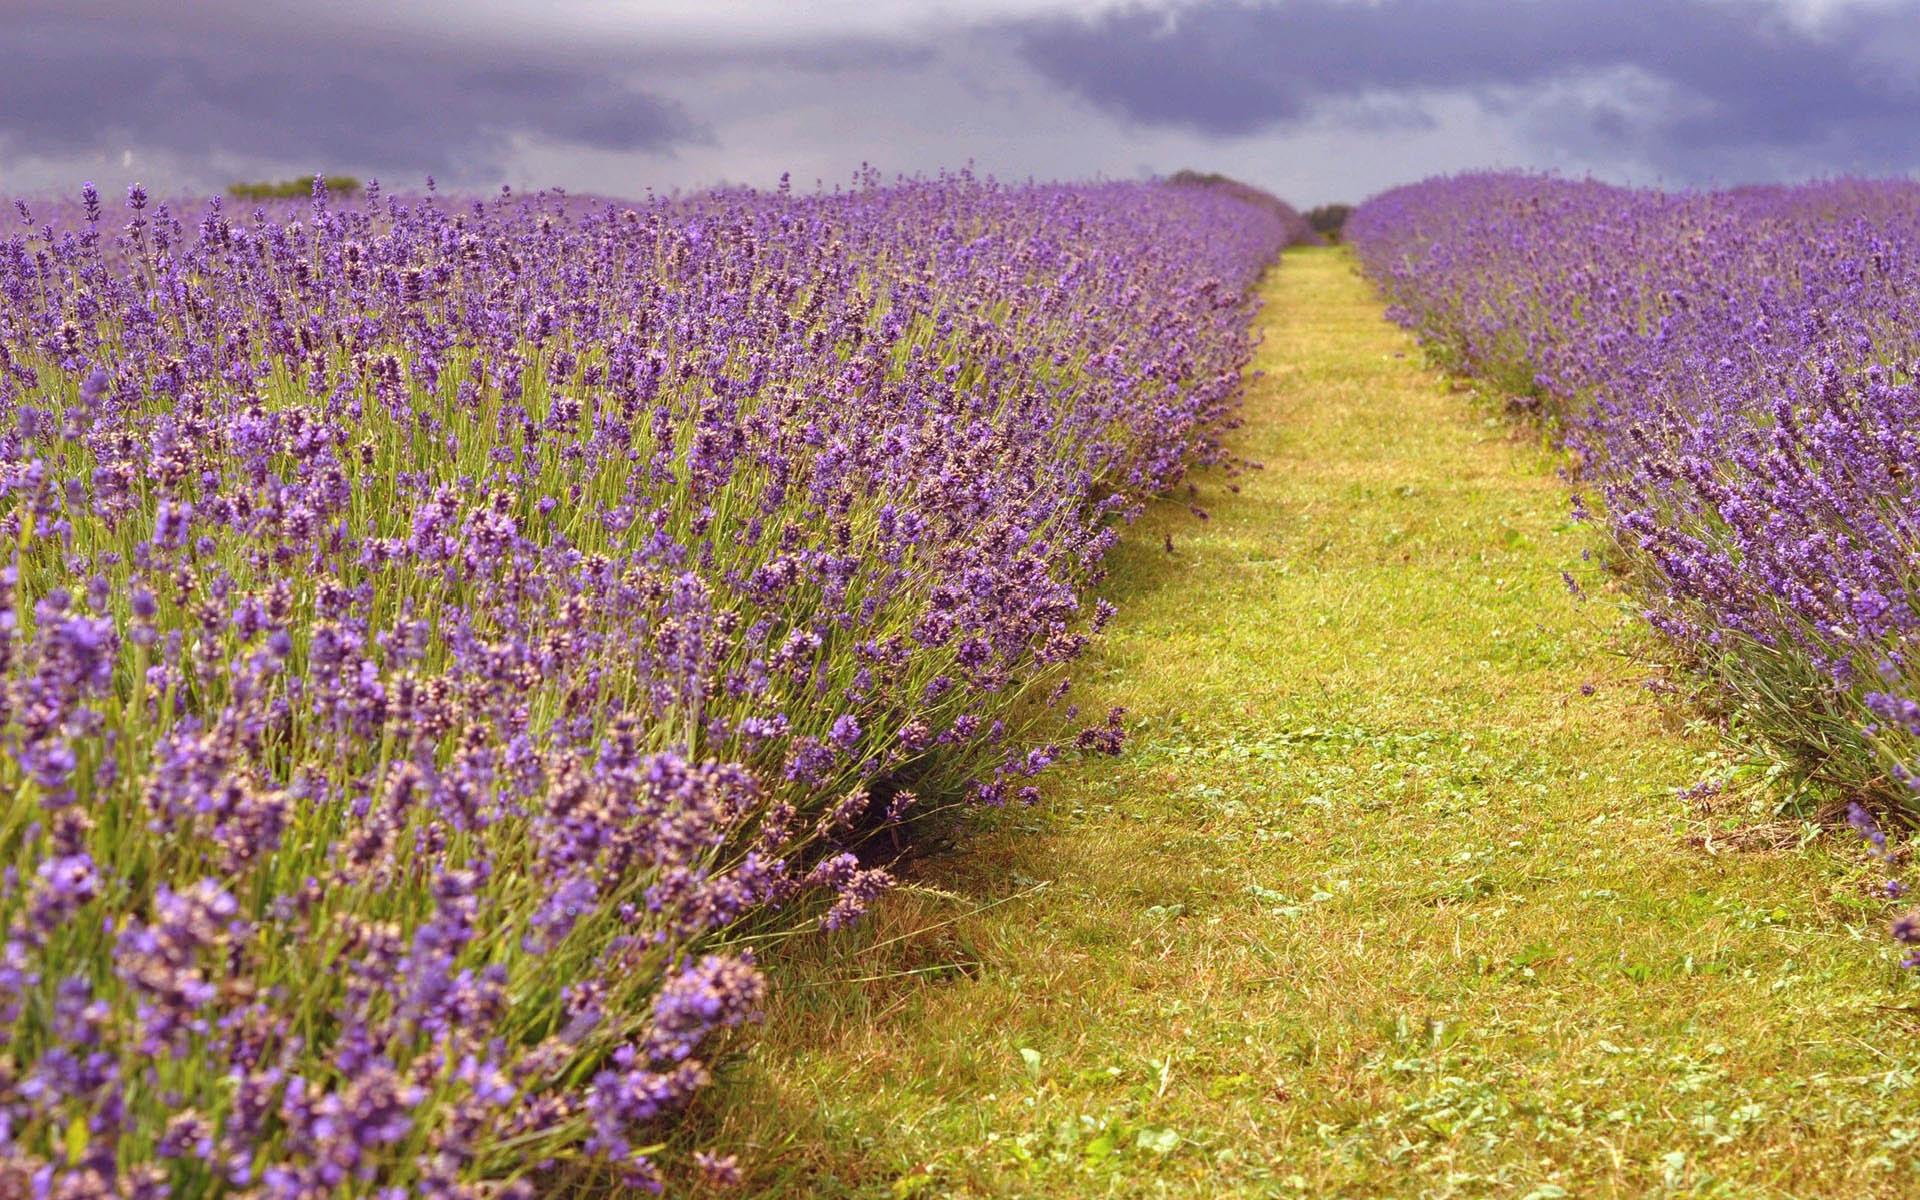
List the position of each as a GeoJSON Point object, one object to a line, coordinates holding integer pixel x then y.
{"type": "Point", "coordinates": [1329, 219]}
{"type": "Point", "coordinates": [290, 189]}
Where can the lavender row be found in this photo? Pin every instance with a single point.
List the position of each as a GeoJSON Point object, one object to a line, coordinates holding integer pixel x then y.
{"type": "Point", "coordinates": [436, 636]}
{"type": "Point", "coordinates": [1732, 371]}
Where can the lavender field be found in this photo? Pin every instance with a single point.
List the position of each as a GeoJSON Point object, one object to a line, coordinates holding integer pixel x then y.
{"type": "Point", "coordinates": [1733, 372]}
{"type": "Point", "coordinates": [491, 684]}
{"type": "Point", "coordinates": [912, 600]}
{"type": "Point", "coordinates": [940, 687]}
{"type": "Point", "coordinates": [448, 645]}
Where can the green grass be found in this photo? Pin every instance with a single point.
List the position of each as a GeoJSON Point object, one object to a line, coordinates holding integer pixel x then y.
{"type": "Point", "coordinates": [1391, 893]}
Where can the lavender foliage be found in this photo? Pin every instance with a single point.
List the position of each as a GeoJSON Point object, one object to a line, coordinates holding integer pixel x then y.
{"type": "Point", "coordinates": [431, 630]}
{"type": "Point", "coordinates": [1734, 373]}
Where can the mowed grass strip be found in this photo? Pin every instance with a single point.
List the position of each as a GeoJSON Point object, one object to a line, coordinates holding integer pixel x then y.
{"type": "Point", "coordinates": [1390, 894]}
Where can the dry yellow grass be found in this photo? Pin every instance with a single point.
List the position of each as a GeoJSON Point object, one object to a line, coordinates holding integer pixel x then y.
{"type": "Point", "coordinates": [1391, 893]}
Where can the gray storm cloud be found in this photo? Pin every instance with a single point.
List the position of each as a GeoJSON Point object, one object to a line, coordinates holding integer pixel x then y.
{"type": "Point", "coordinates": [1737, 74]}
{"type": "Point", "coordinates": [1319, 97]}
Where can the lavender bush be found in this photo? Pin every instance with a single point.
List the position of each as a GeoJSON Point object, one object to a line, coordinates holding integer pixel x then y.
{"type": "Point", "coordinates": [1733, 371]}
{"type": "Point", "coordinates": [433, 631]}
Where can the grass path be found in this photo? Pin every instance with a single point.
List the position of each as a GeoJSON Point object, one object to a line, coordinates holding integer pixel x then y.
{"type": "Point", "coordinates": [1391, 893]}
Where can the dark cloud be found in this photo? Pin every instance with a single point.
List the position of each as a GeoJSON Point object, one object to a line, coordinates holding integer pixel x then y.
{"type": "Point", "coordinates": [1733, 75]}
{"type": "Point", "coordinates": [333, 99]}
{"type": "Point", "coordinates": [1317, 98]}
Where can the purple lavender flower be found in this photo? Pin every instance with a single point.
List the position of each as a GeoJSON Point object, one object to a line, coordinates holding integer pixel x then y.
{"type": "Point", "coordinates": [1731, 372]}
{"type": "Point", "coordinates": [434, 626]}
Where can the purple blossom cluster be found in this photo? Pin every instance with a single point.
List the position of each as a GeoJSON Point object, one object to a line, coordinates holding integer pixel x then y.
{"type": "Point", "coordinates": [432, 632]}
{"type": "Point", "coordinates": [1734, 373]}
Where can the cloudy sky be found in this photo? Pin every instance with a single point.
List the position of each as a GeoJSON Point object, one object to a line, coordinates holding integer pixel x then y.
{"type": "Point", "coordinates": [1316, 99]}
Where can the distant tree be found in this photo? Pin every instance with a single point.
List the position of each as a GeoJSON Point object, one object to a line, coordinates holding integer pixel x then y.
{"type": "Point", "coordinates": [290, 189]}
{"type": "Point", "coordinates": [1329, 219]}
